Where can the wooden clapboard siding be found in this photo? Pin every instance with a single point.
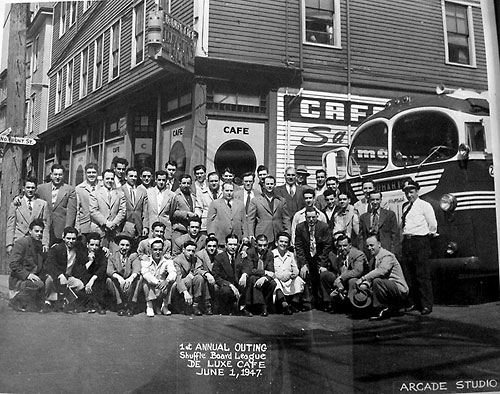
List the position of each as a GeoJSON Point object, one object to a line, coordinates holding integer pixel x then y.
{"type": "Point", "coordinates": [254, 31]}
{"type": "Point", "coordinates": [100, 20]}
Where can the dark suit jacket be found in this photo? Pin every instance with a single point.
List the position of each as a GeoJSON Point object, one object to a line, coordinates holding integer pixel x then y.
{"type": "Point", "coordinates": [224, 273]}
{"type": "Point", "coordinates": [323, 237]}
{"type": "Point", "coordinates": [388, 230]}
{"type": "Point", "coordinates": [132, 265]}
{"type": "Point", "coordinates": [97, 268]}
{"type": "Point", "coordinates": [184, 267]}
{"type": "Point", "coordinates": [357, 265]}
{"type": "Point", "coordinates": [204, 264]}
{"type": "Point", "coordinates": [253, 260]}
{"type": "Point", "coordinates": [294, 203]}
{"type": "Point", "coordinates": [26, 258]}
{"type": "Point", "coordinates": [63, 212]}
{"type": "Point", "coordinates": [57, 260]}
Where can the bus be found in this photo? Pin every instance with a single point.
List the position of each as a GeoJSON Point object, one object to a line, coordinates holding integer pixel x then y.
{"type": "Point", "coordinates": [444, 143]}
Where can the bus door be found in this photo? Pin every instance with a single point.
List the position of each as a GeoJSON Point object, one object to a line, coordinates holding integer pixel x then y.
{"type": "Point", "coordinates": [335, 162]}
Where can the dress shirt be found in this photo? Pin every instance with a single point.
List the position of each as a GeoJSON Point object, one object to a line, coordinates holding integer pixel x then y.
{"type": "Point", "coordinates": [55, 190]}
{"type": "Point", "coordinates": [71, 261]}
{"type": "Point", "coordinates": [420, 219]}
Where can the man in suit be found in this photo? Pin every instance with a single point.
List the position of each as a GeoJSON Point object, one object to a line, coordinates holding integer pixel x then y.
{"type": "Point", "coordinates": [107, 209]}
{"type": "Point", "coordinates": [172, 183]}
{"type": "Point", "coordinates": [332, 184]}
{"type": "Point", "coordinates": [262, 172]}
{"type": "Point", "coordinates": [146, 175]}
{"type": "Point", "coordinates": [248, 191]}
{"type": "Point", "coordinates": [136, 222]}
{"type": "Point", "coordinates": [23, 211]}
{"type": "Point", "coordinates": [83, 191]}
{"type": "Point", "coordinates": [313, 242]}
{"type": "Point", "coordinates": [268, 213]}
{"type": "Point", "coordinates": [159, 200]}
{"type": "Point", "coordinates": [119, 166]}
{"type": "Point", "coordinates": [346, 219]}
{"type": "Point", "coordinates": [206, 196]}
{"type": "Point", "coordinates": [159, 274]}
{"type": "Point", "coordinates": [204, 265]}
{"type": "Point", "coordinates": [291, 192]}
{"type": "Point", "coordinates": [300, 215]}
{"type": "Point", "coordinates": [329, 210]}
{"type": "Point", "coordinates": [379, 221]}
{"type": "Point", "coordinates": [226, 215]}
{"type": "Point", "coordinates": [66, 265]}
{"type": "Point", "coordinates": [124, 276]}
{"type": "Point", "coordinates": [157, 231]}
{"type": "Point", "coordinates": [362, 206]}
{"type": "Point", "coordinates": [227, 270]}
{"type": "Point", "coordinates": [190, 285]}
{"type": "Point", "coordinates": [193, 234]}
{"type": "Point", "coordinates": [61, 199]}
{"type": "Point", "coordinates": [320, 181]}
{"type": "Point", "coordinates": [94, 275]}
{"type": "Point", "coordinates": [29, 283]}
{"type": "Point", "coordinates": [340, 270]}
{"type": "Point", "coordinates": [184, 206]}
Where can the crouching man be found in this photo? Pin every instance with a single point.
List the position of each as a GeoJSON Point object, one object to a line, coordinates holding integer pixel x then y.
{"type": "Point", "coordinates": [124, 276]}
{"type": "Point", "coordinates": [388, 284]}
{"type": "Point", "coordinates": [159, 274]}
{"type": "Point", "coordinates": [29, 284]}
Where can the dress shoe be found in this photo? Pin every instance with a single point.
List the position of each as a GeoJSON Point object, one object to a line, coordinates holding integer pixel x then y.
{"type": "Point", "coordinates": [288, 311]}
{"type": "Point", "coordinates": [410, 308]}
{"type": "Point", "coordinates": [150, 312]}
{"type": "Point", "coordinates": [294, 309]}
{"type": "Point", "coordinates": [196, 310]}
{"type": "Point", "coordinates": [208, 309]}
{"type": "Point", "coordinates": [246, 313]}
{"type": "Point", "coordinates": [91, 310]}
{"type": "Point", "coordinates": [17, 306]}
{"type": "Point", "coordinates": [129, 312]}
{"type": "Point", "coordinates": [264, 313]}
{"type": "Point", "coordinates": [121, 312]}
{"type": "Point", "coordinates": [426, 311]}
{"type": "Point", "coordinates": [101, 311]}
{"type": "Point", "coordinates": [305, 307]}
{"type": "Point", "coordinates": [382, 315]}
{"type": "Point", "coordinates": [46, 308]}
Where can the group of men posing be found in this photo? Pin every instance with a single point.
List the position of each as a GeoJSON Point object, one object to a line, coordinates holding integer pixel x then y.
{"type": "Point", "coordinates": [211, 246]}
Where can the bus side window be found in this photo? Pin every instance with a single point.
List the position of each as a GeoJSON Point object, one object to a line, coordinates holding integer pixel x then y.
{"type": "Point", "coordinates": [476, 136]}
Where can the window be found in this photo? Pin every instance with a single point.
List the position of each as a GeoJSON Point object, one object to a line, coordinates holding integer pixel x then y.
{"type": "Point", "coordinates": [72, 12]}
{"type": "Point", "coordinates": [459, 35]}
{"type": "Point", "coordinates": [29, 60]}
{"type": "Point", "coordinates": [114, 51]}
{"type": "Point", "coordinates": [62, 18]}
{"type": "Point", "coordinates": [322, 22]}
{"type": "Point", "coordinates": [475, 136]}
{"type": "Point", "coordinates": [32, 113]}
{"type": "Point", "coordinates": [87, 4]}
{"type": "Point", "coordinates": [369, 150]}
{"type": "Point", "coordinates": [59, 81]}
{"type": "Point", "coordinates": [69, 83]}
{"type": "Point", "coordinates": [98, 62]}
{"type": "Point", "coordinates": [84, 72]}
{"type": "Point", "coordinates": [35, 53]}
{"type": "Point", "coordinates": [138, 20]}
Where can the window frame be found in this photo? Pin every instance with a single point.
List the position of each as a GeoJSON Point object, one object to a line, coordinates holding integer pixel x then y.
{"type": "Point", "coordinates": [111, 65]}
{"type": "Point", "coordinates": [70, 83]}
{"type": "Point", "coordinates": [84, 84]}
{"type": "Point", "coordinates": [87, 4]}
{"type": "Point", "coordinates": [96, 64]}
{"type": "Point", "coordinates": [471, 38]}
{"type": "Point", "coordinates": [134, 61]}
{"type": "Point", "coordinates": [72, 6]}
{"type": "Point", "coordinates": [32, 113]}
{"type": "Point", "coordinates": [58, 99]}
{"type": "Point", "coordinates": [34, 54]}
{"type": "Point", "coordinates": [336, 21]}
{"type": "Point", "coordinates": [63, 18]}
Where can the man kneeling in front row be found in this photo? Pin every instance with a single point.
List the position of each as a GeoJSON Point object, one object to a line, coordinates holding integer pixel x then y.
{"type": "Point", "coordinates": [388, 284]}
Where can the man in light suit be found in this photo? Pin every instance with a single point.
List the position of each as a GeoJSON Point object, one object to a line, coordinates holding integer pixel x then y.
{"type": "Point", "coordinates": [107, 209]}
{"type": "Point", "coordinates": [83, 191]}
{"type": "Point", "coordinates": [21, 214]}
{"type": "Point", "coordinates": [206, 196]}
{"type": "Point", "coordinates": [61, 199]}
{"type": "Point", "coordinates": [381, 222]}
{"type": "Point", "coordinates": [226, 216]}
{"type": "Point", "coordinates": [159, 199]}
{"type": "Point", "coordinates": [268, 214]}
{"type": "Point", "coordinates": [136, 203]}
{"type": "Point", "coordinates": [291, 192]}
{"type": "Point", "coordinates": [184, 206]}
{"type": "Point", "coordinates": [193, 234]}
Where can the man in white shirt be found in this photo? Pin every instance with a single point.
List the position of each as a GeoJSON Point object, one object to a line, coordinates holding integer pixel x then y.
{"type": "Point", "coordinates": [419, 224]}
{"type": "Point", "coordinates": [300, 216]}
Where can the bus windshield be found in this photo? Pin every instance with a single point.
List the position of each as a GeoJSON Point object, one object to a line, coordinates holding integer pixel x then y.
{"type": "Point", "coordinates": [369, 150]}
{"type": "Point", "coordinates": [428, 136]}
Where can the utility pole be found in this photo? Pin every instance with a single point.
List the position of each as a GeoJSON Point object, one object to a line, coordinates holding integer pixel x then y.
{"type": "Point", "coordinates": [16, 99]}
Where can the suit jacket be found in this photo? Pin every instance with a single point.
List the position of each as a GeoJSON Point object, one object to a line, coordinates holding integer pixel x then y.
{"type": "Point", "coordinates": [161, 213]}
{"type": "Point", "coordinates": [132, 265]}
{"type": "Point", "coordinates": [184, 268]}
{"type": "Point", "coordinates": [222, 220]}
{"type": "Point", "coordinates": [20, 218]}
{"type": "Point", "coordinates": [57, 260]}
{"type": "Point", "coordinates": [347, 222]}
{"type": "Point", "coordinates": [179, 243]}
{"type": "Point", "coordinates": [388, 230]}
{"type": "Point", "coordinates": [355, 265]}
{"type": "Point", "coordinates": [204, 264]}
{"type": "Point", "coordinates": [26, 258]}
{"type": "Point", "coordinates": [137, 216]}
{"type": "Point", "coordinates": [63, 212]}
{"type": "Point", "coordinates": [241, 194]}
{"type": "Point", "coordinates": [323, 237]}
{"type": "Point", "coordinates": [179, 209]}
{"type": "Point", "coordinates": [205, 198]}
{"type": "Point", "coordinates": [97, 268]}
{"type": "Point", "coordinates": [294, 203]}
{"type": "Point", "coordinates": [83, 222]}
{"type": "Point", "coordinates": [102, 209]}
{"type": "Point", "coordinates": [267, 260]}
{"type": "Point", "coordinates": [264, 220]}
{"type": "Point", "coordinates": [224, 273]}
{"type": "Point", "coordinates": [175, 185]}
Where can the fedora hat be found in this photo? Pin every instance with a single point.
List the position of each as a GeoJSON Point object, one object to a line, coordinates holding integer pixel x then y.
{"type": "Point", "coordinates": [360, 298]}
{"type": "Point", "coordinates": [302, 169]}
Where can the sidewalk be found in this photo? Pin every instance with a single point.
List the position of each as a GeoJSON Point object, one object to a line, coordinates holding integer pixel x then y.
{"type": "Point", "coordinates": [4, 287]}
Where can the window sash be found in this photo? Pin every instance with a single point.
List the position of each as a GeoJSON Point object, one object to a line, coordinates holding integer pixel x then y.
{"type": "Point", "coordinates": [139, 25]}
{"type": "Point", "coordinates": [98, 53]}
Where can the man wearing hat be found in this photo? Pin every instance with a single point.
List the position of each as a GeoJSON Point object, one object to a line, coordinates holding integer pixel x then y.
{"type": "Point", "coordinates": [388, 284]}
{"type": "Point", "coordinates": [302, 175]}
{"type": "Point", "coordinates": [418, 223]}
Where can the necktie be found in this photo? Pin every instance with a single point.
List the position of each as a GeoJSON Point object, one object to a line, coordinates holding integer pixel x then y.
{"type": "Point", "coordinates": [292, 191]}
{"type": "Point", "coordinates": [229, 204]}
{"type": "Point", "coordinates": [109, 196]}
{"type": "Point", "coordinates": [93, 188]}
{"type": "Point", "coordinates": [54, 195]}
{"type": "Point", "coordinates": [312, 241]}
{"type": "Point", "coordinates": [189, 202]}
{"type": "Point", "coordinates": [247, 204]}
{"type": "Point", "coordinates": [132, 196]}
{"type": "Point", "coordinates": [405, 213]}
{"type": "Point", "coordinates": [30, 207]}
{"type": "Point", "coordinates": [214, 195]}
{"type": "Point", "coordinates": [260, 264]}
{"type": "Point", "coordinates": [374, 226]}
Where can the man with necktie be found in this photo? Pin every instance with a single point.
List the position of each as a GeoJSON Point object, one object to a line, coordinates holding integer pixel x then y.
{"type": "Point", "coordinates": [83, 191]}
{"type": "Point", "coordinates": [419, 224]}
{"type": "Point", "coordinates": [136, 222]}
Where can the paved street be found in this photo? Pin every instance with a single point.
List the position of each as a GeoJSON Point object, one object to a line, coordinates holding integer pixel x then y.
{"type": "Point", "coordinates": [309, 352]}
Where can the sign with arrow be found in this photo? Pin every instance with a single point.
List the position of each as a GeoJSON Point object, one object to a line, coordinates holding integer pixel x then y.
{"type": "Point", "coordinates": [7, 139]}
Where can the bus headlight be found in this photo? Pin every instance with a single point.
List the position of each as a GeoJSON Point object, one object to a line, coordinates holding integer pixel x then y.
{"type": "Point", "coordinates": [448, 203]}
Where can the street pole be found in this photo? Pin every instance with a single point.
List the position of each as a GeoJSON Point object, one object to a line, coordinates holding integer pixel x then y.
{"type": "Point", "coordinates": [16, 99]}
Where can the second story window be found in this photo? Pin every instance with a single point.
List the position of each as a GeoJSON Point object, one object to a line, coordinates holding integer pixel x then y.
{"type": "Point", "coordinates": [87, 4]}
{"type": "Point", "coordinates": [84, 72]}
{"type": "Point", "coordinates": [114, 50]}
{"type": "Point", "coordinates": [98, 56]}
{"type": "Point", "coordinates": [59, 82]}
{"type": "Point", "coordinates": [62, 18]}
{"type": "Point", "coordinates": [459, 34]}
{"type": "Point", "coordinates": [139, 22]}
{"type": "Point", "coordinates": [322, 22]}
{"type": "Point", "coordinates": [69, 83]}
{"type": "Point", "coordinates": [35, 53]}
{"type": "Point", "coordinates": [72, 12]}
